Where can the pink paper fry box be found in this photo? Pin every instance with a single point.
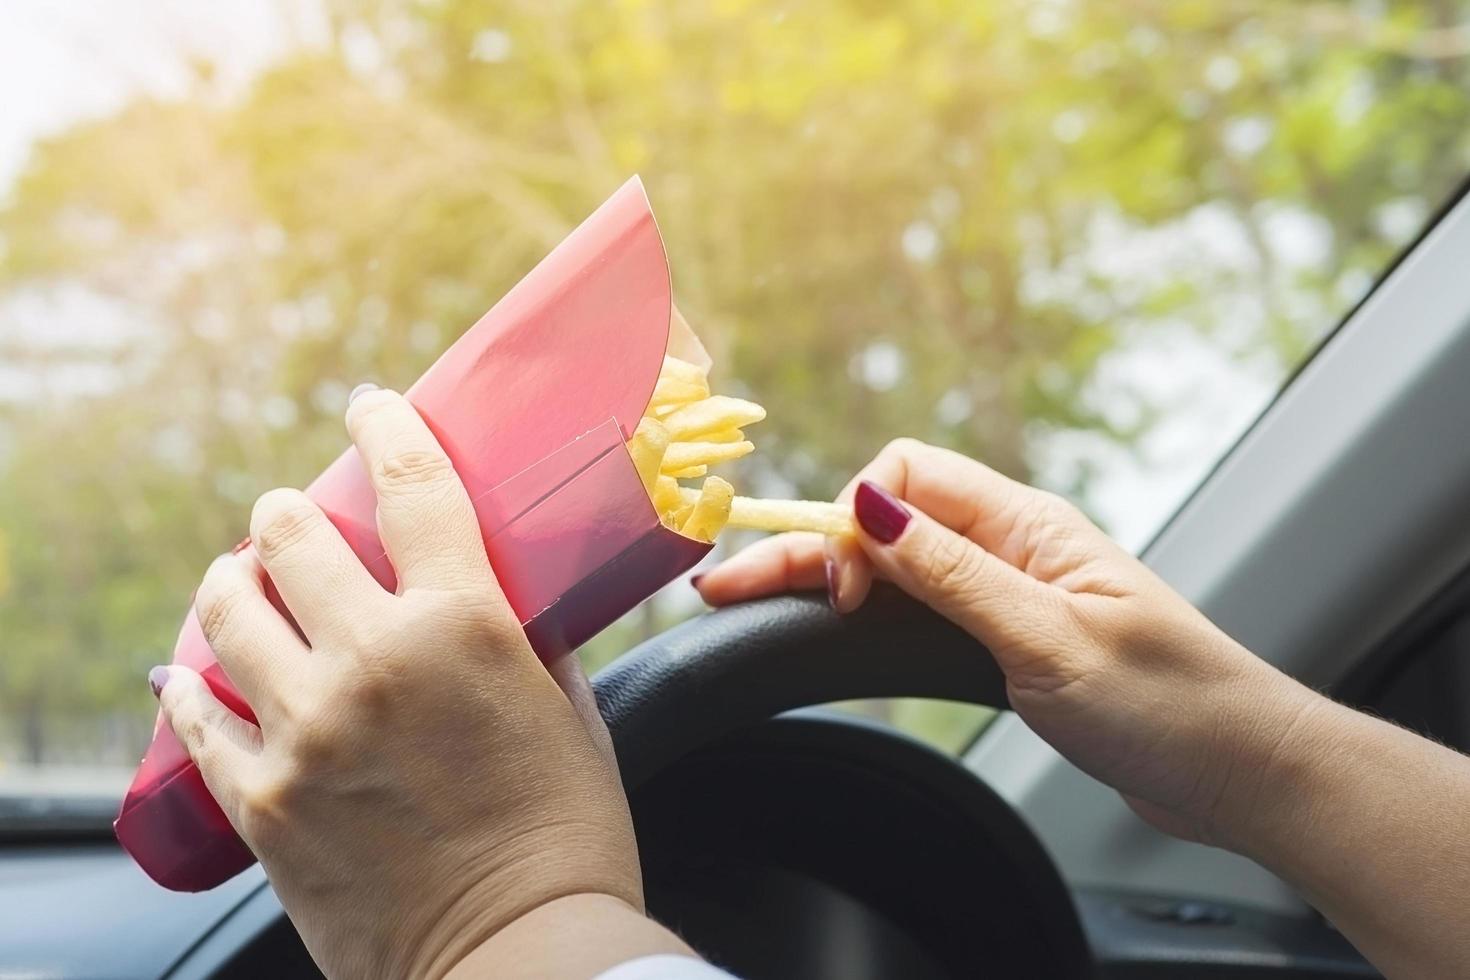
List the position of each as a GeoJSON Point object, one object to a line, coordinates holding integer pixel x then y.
{"type": "Point", "coordinates": [533, 404]}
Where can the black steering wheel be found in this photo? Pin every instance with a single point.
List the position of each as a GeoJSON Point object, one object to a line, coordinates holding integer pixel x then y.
{"type": "Point", "coordinates": [812, 846]}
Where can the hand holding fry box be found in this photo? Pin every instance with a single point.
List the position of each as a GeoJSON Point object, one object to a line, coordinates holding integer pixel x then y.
{"type": "Point", "coordinates": [570, 411]}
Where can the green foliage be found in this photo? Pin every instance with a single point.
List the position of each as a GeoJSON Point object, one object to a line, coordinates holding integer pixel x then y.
{"type": "Point", "coordinates": [879, 216]}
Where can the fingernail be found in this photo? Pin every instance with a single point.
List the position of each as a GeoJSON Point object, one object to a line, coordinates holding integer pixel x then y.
{"type": "Point", "coordinates": [157, 677]}
{"type": "Point", "coordinates": [694, 580]}
{"type": "Point", "coordinates": [361, 389]}
{"type": "Point", "coordinates": [879, 513]}
{"type": "Point", "coordinates": [831, 582]}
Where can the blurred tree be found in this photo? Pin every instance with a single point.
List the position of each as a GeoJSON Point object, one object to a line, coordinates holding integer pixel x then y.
{"type": "Point", "coordinates": [885, 219]}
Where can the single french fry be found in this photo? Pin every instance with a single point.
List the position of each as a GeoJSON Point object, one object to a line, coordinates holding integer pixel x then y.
{"type": "Point", "coordinates": [692, 473]}
{"type": "Point", "coordinates": [665, 495]}
{"type": "Point", "coordinates": [711, 511]}
{"type": "Point", "coordinates": [784, 515]}
{"type": "Point", "coordinates": [673, 391]}
{"type": "Point", "coordinates": [685, 455]}
{"type": "Point", "coordinates": [711, 415]}
{"type": "Point", "coordinates": [679, 370]}
{"type": "Point", "coordinates": [791, 515]}
{"type": "Point", "coordinates": [648, 446]}
{"type": "Point", "coordinates": [724, 435]}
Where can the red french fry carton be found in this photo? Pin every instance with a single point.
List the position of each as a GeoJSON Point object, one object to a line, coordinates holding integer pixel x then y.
{"type": "Point", "coordinates": [534, 405]}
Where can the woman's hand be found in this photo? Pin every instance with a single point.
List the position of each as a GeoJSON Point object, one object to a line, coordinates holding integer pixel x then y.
{"type": "Point", "coordinates": [418, 781]}
{"type": "Point", "coordinates": [1131, 683]}
{"type": "Point", "coordinates": [1101, 658]}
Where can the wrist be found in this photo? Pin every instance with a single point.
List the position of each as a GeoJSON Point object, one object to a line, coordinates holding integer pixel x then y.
{"type": "Point", "coordinates": [1274, 750]}
{"type": "Point", "coordinates": [518, 879]}
{"type": "Point", "coordinates": [578, 935]}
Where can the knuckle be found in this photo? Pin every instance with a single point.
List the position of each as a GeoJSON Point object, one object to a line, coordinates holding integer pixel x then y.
{"type": "Point", "coordinates": [265, 805]}
{"type": "Point", "coordinates": [364, 633]}
{"type": "Point", "coordinates": [414, 469]}
{"type": "Point", "coordinates": [1056, 508]}
{"type": "Point", "coordinates": [473, 614]}
{"type": "Point", "coordinates": [301, 702]}
{"type": "Point", "coordinates": [219, 598]}
{"type": "Point", "coordinates": [316, 745]}
{"type": "Point", "coordinates": [1036, 510]}
{"type": "Point", "coordinates": [475, 607]}
{"type": "Point", "coordinates": [372, 690]}
{"type": "Point", "coordinates": [193, 731]}
{"type": "Point", "coordinates": [361, 702]}
{"type": "Point", "coordinates": [1052, 542]}
{"type": "Point", "coordinates": [285, 518]}
{"type": "Point", "coordinates": [904, 447]}
{"type": "Point", "coordinates": [422, 616]}
{"type": "Point", "coordinates": [953, 565]}
{"type": "Point", "coordinates": [193, 727]}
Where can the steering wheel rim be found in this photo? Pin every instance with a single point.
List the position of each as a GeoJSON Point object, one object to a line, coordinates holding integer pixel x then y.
{"type": "Point", "coordinates": [734, 669]}
{"type": "Point", "coordinates": [742, 664]}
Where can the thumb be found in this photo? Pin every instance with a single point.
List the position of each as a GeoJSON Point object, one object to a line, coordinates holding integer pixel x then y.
{"type": "Point", "coordinates": [992, 600]}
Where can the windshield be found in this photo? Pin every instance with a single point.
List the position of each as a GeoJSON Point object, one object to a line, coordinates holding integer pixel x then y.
{"type": "Point", "coordinates": [1085, 242]}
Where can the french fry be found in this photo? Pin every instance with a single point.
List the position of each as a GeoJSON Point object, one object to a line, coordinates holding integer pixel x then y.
{"type": "Point", "coordinates": [687, 455]}
{"type": "Point", "coordinates": [673, 392]}
{"type": "Point", "coordinates": [710, 512]}
{"type": "Point", "coordinates": [666, 498]}
{"type": "Point", "coordinates": [678, 370]}
{"type": "Point", "coordinates": [833, 520]}
{"type": "Point", "coordinates": [648, 447]}
{"type": "Point", "coordinates": [784, 515]}
{"type": "Point", "coordinates": [685, 431]}
{"type": "Point", "coordinates": [711, 415]}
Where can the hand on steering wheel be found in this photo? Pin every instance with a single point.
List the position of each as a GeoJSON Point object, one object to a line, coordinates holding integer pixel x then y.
{"type": "Point", "coordinates": [1101, 658]}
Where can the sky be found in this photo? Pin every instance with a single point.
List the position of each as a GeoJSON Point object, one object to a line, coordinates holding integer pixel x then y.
{"type": "Point", "coordinates": [62, 61]}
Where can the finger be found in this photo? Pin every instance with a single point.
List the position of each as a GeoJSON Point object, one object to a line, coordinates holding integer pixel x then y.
{"type": "Point", "coordinates": [424, 514]}
{"type": "Point", "coordinates": [570, 676]}
{"type": "Point", "coordinates": [849, 573]}
{"type": "Point", "coordinates": [254, 643]}
{"type": "Point", "coordinates": [990, 599]}
{"type": "Point", "coordinates": [325, 586]}
{"type": "Point", "coordinates": [783, 563]}
{"type": "Point", "coordinates": [967, 496]}
{"type": "Point", "coordinates": [223, 745]}
{"type": "Point", "coordinates": [958, 491]}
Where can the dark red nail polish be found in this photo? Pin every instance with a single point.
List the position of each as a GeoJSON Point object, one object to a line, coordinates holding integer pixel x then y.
{"type": "Point", "coordinates": [694, 580]}
{"type": "Point", "coordinates": [157, 677]}
{"type": "Point", "coordinates": [831, 582]}
{"type": "Point", "coordinates": [879, 513]}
